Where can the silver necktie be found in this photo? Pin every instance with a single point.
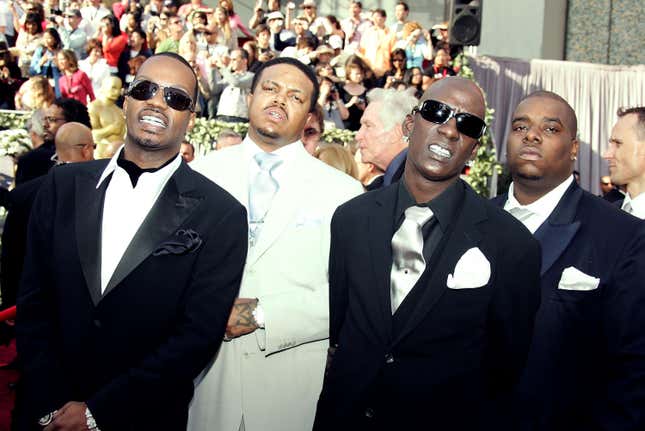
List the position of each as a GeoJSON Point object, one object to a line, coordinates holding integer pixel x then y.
{"type": "Point", "coordinates": [408, 262]}
{"type": "Point", "coordinates": [263, 188]}
{"type": "Point", "coordinates": [520, 213]}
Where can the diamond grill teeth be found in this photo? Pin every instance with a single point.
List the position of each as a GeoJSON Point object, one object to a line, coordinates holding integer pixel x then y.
{"type": "Point", "coordinates": [440, 151]}
{"type": "Point", "coordinates": [153, 120]}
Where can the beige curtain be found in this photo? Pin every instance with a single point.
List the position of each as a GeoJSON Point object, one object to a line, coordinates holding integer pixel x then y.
{"type": "Point", "coordinates": [595, 92]}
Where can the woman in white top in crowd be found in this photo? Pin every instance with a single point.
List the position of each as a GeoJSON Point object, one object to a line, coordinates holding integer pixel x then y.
{"type": "Point", "coordinates": [94, 65]}
{"type": "Point", "coordinates": [28, 41]}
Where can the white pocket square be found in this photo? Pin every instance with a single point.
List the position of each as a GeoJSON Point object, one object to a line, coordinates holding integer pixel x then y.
{"type": "Point", "coordinates": [574, 279]}
{"type": "Point", "coordinates": [472, 270]}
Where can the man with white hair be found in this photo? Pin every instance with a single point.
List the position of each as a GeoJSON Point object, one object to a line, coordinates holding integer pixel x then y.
{"type": "Point", "coordinates": [380, 139]}
{"type": "Point", "coordinates": [35, 126]}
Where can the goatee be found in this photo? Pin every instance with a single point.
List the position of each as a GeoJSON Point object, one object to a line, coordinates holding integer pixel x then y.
{"type": "Point", "coordinates": [267, 133]}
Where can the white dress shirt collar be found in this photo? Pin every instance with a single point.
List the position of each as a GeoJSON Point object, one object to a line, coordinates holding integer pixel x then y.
{"type": "Point", "coordinates": [287, 153]}
{"type": "Point", "coordinates": [637, 205]}
{"type": "Point", "coordinates": [542, 208]}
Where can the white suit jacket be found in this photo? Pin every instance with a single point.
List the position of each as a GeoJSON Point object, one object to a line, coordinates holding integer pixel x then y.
{"type": "Point", "coordinates": [273, 376]}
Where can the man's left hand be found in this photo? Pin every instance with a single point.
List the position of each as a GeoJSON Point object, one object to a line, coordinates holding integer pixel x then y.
{"type": "Point", "coordinates": [70, 417]}
{"type": "Point", "coordinates": [241, 320]}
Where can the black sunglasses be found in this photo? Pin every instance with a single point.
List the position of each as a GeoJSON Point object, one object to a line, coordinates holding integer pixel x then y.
{"type": "Point", "coordinates": [440, 113]}
{"type": "Point", "coordinates": [175, 98]}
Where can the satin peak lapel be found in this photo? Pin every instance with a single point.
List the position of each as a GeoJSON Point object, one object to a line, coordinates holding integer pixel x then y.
{"type": "Point", "coordinates": [557, 232]}
{"type": "Point", "coordinates": [165, 217]}
{"type": "Point", "coordinates": [380, 225]}
{"type": "Point", "coordinates": [89, 216]}
{"type": "Point", "coordinates": [461, 236]}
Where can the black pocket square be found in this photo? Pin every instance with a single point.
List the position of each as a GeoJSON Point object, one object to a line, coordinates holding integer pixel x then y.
{"type": "Point", "coordinates": [183, 242]}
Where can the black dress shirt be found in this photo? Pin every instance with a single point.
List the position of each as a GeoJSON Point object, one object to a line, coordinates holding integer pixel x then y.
{"type": "Point", "coordinates": [134, 171]}
{"type": "Point", "coordinates": [444, 209]}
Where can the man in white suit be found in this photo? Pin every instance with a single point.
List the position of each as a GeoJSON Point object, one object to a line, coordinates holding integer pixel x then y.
{"type": "Point", "coordinates": [269, 375]}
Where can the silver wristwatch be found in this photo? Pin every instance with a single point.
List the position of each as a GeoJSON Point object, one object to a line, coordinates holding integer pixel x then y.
{"type": "Point", "coordinates": [47, 419]}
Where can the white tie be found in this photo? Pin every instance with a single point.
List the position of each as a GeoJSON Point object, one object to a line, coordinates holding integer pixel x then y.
{"type": "Point", "coordinates": [408, 262]}
{"type": "Point", "coordinates": [263, 188]}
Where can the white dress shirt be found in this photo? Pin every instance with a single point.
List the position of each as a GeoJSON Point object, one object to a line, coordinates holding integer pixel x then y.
{"type": "Point", "coordinates": [537, 212]}
{"type": "Point", "coordinates": [124, 209]}
{"type": "Point", "coordinates": [636, 204]}
{"type": "Point", "coordinates": [97, 72]}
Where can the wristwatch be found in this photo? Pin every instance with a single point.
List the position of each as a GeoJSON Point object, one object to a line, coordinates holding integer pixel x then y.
{"type": "Point", "coordinates": [47, 419]}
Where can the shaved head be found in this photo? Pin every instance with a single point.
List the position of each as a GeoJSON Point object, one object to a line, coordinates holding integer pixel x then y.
{"type": "Point", "coordinates": [461, 85]}
{"type": "Point", "coordinates": [74, 143]}
{"type": "Point", "coordinates": [570, 118]}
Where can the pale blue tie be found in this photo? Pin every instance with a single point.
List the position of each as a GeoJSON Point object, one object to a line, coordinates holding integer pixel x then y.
{"type": "Point", "coordinates": [261, 192]}
{"type": "Point", "coordinates": [408, 262]}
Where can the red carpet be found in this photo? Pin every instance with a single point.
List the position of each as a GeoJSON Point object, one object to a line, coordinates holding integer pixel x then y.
{"type": "Point", "coordinates": [7, 354]}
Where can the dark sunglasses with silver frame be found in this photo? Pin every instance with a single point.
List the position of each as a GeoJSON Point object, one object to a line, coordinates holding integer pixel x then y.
{"type": "Point", "coordinates": [438, 112]}
{"type": "Point", "coordinates": [175, 98]}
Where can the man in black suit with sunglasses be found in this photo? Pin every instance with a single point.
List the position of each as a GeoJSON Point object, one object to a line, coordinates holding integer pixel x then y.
{"type": "Point", "coordinates": [430, 324]}
{"type": "Point", "coordinates": [132, 267]}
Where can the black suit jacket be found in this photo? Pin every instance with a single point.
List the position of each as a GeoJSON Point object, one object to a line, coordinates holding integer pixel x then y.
{"type": "Point", "coordinates": [14, 238]}
{"type": "Point", "coordinates": [448, 358]}
{"type": "Point", "coordinates": [35, 163]}
{"type": "Point", "coordinates": [614, 195]}
{"type": "Point", "coordinates": [131, 353]}
{"type": "Point", "coordinates": [586, 368]}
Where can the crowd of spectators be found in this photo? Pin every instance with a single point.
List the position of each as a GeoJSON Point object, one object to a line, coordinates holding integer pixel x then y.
{"type": "Point", "coordinates": [72, 46]}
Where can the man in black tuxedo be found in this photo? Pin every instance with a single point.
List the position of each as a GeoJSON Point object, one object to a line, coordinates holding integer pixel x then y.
{"type": "Point", "coordinates": [38, 161]}
{"type": "Point", "coordinates": [132, 267]}
{"type": "Point", "coordinates": [586, 367]}
{"type": "Point", "coordinates": [73, 143]}
{"type": "Point", "coordinates": [445, 350]}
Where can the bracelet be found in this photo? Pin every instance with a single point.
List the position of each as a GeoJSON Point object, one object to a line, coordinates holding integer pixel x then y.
{"type": "Point", "coordinates": [89, 420]}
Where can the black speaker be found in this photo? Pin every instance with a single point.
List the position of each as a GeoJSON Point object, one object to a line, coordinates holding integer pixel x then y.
{"type": "Point", "coordinates": [465, 23]}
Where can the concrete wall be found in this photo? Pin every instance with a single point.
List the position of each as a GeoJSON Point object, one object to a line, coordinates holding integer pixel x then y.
{"type": "Point", "coordinates": [523, 29]}
{"type": "Point", "coordinates": [606, 31]}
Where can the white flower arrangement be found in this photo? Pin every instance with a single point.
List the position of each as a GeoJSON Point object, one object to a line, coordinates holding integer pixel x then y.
{"type": "Point", "coordinates": [14, 139]}
{"type": "Point", "coordinates": [14, 142]}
